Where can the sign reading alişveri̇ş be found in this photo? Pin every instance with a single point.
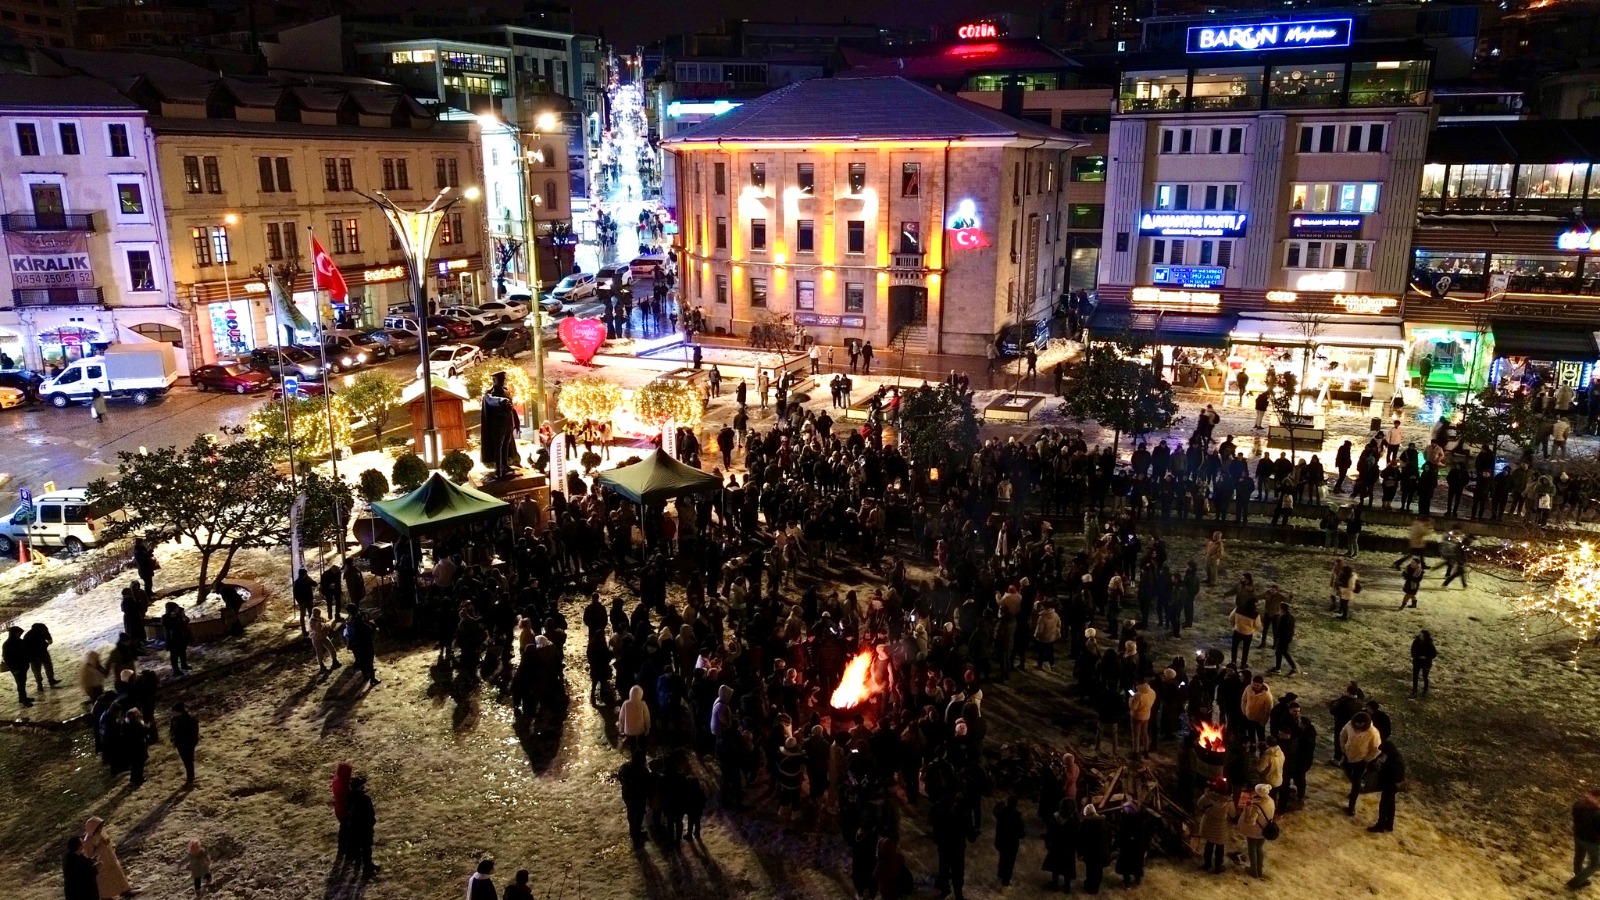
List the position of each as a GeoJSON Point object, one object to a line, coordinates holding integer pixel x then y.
{"type": "Point", "coordinates": [55, 260]}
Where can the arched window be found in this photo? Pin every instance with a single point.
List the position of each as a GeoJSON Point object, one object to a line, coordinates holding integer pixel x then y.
{"type": "Point", "coordinates": [158, 332]}
{"type": "Point", "coordinates": [551, 201]}
{"type": "Point", "coordinates": [548, 154]}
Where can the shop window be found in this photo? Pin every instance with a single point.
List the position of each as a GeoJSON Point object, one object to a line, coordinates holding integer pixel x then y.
{"type": "Point", "coordinates": [68, 133]}
{"type": "Point", "coordinates": [1532, 274]}
{"type": "Point", "coordinates": [805, 236]}
{"type": "Point", "coordinates": [855, 236]}
{"type": "Point", "coordinates": [855, 298]}
{"type": "Point", "coordinates": [1154, 91]}
{"type": "Point", "coordinates": [758, 293]}
{"type": "Point", "coordinates": [1226, 89]}
{"type": "Point", "coordinates": [1389, 83]}
{"type": "Point", "coordinates": [1478, 186]}
{"type": "Point", "coordinates": [158, 332]}
{"type": "Point", "coordinates": [805, 176]}
{"type": "Point", "coordinates": [1300, 85]}
{"type": "Point", "coordinates": [1555, 181]}
{"type": "Point", "coordinates": [141, 271]}
{"type": "Point", "coordinates": [857, 174]}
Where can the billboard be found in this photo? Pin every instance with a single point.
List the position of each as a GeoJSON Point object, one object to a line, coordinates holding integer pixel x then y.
{"type": "Point", "coordinates": [1293, 34]}
{"type": "Point", "coordinates": [53, 260]}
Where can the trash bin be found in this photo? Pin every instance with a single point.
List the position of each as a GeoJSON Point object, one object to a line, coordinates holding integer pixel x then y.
{"type": "Point", "coordinates": [1377, 424]}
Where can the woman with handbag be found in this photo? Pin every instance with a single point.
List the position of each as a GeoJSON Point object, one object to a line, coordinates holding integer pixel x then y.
{"type": "Point", "coordinates": [1256, 826]}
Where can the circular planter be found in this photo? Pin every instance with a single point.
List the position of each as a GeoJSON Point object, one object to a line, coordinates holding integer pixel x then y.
{"type": "Point", "coordinates": [206, 624]}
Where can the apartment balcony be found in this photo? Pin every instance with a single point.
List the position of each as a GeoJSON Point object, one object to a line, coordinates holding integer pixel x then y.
{"type": "Point", "coordinates": [59, 297]}
{"type": "Point", "coordinates": [34, 222]}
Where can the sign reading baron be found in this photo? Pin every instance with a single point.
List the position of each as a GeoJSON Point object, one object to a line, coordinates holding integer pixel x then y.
{"type": "Point", "coordinates": [1290, 35]}
{"type": "Point", "coordinates": [49, 260]}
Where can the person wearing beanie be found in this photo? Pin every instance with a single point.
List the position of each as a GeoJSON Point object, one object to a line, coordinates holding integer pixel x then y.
{"type": "Point", "coordinates": [480, 884]}
{"type": "Point", "coordinates": [1253, 822]}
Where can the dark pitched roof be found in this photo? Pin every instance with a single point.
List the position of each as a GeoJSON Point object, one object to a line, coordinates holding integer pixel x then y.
{"type": "Point", "coordinates": [175, 79]}
{"type": "Point", "coordinates": [885, 108]}
{"type": "Point", "coordinates": [70, 92]}
{"type": "Point", "coordinates": [1517, 142]}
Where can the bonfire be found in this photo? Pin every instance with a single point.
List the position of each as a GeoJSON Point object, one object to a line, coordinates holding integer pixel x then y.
{"type": "Point", "coordinates": [857, 684]}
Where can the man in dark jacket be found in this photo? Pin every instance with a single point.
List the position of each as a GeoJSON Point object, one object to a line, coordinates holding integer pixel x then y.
{"type": "Point", "coordinates": [176, 626]}
{"type": "Point", "coordinates": [1585, 838]}
{"type": "Point", "coordinates": [184, 729]}
{"type": "Point", "coordinates": [1285, 639]}
{"type": "Point", "coordinates": [1391, 775]}
{"type": "Point", "coordinates": [38, 641]}
{"type": "Point", "coordinates": [79, 875]}
{"type": "Point", "coordinates": [144, 562]}
{"type": "Point", "coordinates": [305, 596]}
{"type": "Point", "coordinates": [358, 637]}
{"type": "Point", "coordinates": [360, 826]}
{"type": "Point", "coordinates": [1300, 753]}
{"type": "Point", "coordinates": [1008, 831]}
{"type": "Point", "coordinates": [637, 785]}
{"type": "Point", "coordinates": [332, 584]}
{"type": "Point", "coordinates": [14, 654]}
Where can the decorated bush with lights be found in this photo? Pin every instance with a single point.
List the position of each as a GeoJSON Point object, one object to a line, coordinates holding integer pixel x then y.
{"type": "Point", "coordinates": [662, 401]}
{"type": "Point", "coordinates": [590, 397]}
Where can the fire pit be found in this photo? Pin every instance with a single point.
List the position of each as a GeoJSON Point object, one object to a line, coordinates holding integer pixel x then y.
{"type": "Point", "coordinates": [1211, 748]}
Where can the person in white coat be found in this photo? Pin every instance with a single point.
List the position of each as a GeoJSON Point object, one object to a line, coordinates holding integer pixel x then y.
{"type": "Point", "coordinates": [1269, 769]}
{"type": "Point", "coordinates": [1361, 744]}
{"type": "Point", "coordinates": [633, 719]}
{"type": "Point", "coordinates": [113, 879]}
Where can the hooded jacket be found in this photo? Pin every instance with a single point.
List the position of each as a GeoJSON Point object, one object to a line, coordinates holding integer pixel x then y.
{"type": "Point", "coordinates": [722, 712]}
{"type": "Point", "coordinates": [633, 718]}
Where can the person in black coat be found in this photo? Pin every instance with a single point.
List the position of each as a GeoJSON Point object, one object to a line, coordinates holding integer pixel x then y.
{"type": "Point", "coordinates": [950, 824]}
{"type": "Point", "coordinates": [1284, 641]}
{"type": "Point", "coordinates": [79, 874]}
{"type": "Point", "coordinates": [305, 596]}
{"type": "Point", "coordinates": [332, 585]}
{"type": "Point", "coordinates": [135, 739]}
{"type": "Point", "coordinates": [1008, 831]}
{"type": "Point", "coordinates": [1133, 842]}
{"type": "Point", "coordinates": [1380, 720]}
{"type": "Point", "coordinates": [1391, 775]}
{"type": "Point", "coordinates": [175, 624]}
{"type": "Point", "coordinates": [1423, 653]}
{"type": "Point", "coordinates": [184, 729]}
{"type": "Point", "coordinates": [38, 641]}
{"type": "Point", "coordinates": [1061, 846]}
{"type": "Point", "coordinates": [358, 637]}
{"type": "Point", "coordinates": [1094, 845]}
{"type": "Point", "coordinates": [360, 825]}
{"type": "Point", "coordinates": [638, 783]}
{"type": "Point", "coordinates": [14, 654]}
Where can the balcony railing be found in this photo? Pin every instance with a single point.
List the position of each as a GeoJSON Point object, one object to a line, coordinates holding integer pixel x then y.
{"type": "Point", "coordinates": [47, 222]}
{"type": "Point", "coordinates": [59, 297]}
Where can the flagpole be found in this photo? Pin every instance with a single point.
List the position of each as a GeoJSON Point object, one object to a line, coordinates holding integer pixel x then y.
{"type": "Point", "coordinates": [327, 391]}
{"type": "Point", "coordinates": [275, 288]}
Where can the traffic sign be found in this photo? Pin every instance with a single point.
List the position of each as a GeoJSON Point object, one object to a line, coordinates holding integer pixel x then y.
{"type": "Point", "coordinates": [27, 495]}
{"type": "Point", "coordinates": [291, 385]}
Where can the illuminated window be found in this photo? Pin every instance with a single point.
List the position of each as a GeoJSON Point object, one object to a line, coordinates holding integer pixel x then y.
{"type": "Point", "coordinates": [758, 292]}
{"type": "Point", "coordinates": [405, 57]}
{"type": "Point", "coordinates": [130, 199]}
{"type": "Point", "coordinates": [855, 298]}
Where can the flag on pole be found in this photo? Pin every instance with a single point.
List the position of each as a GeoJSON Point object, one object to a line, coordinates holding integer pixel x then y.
{"type": "Point", "coordinates": [288, 313]}
{"type": "Point", "coordinates": [328, 276]}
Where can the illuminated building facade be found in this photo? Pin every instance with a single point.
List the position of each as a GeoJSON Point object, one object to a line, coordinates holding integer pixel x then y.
{"type": "Point", "coordinates": [871, 208]}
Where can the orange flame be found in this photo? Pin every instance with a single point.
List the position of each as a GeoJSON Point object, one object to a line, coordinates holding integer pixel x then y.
{"type": "Point", "coordinates": [857, 684]}
{"type": "Point", "coordinates": [1211, 737]}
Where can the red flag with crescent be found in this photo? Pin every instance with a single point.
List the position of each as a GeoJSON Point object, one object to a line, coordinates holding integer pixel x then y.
{"type": "Point", "coordinates": [968, 238]}
{"type": "Point", "coordinates": [328, 274]}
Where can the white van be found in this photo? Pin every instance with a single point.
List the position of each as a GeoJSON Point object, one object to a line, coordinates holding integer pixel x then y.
{"type": "Point", "coordinates": [63, 519]}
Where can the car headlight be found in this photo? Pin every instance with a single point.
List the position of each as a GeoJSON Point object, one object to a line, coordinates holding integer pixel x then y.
{"type": "Point", "coordinates": [309, 371]}
{"type": "Point", "coordinates": [361, 357]}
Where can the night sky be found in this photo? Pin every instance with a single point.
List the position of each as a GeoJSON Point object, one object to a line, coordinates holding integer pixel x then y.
{"type": "Point", "coordinates": [629, 22]}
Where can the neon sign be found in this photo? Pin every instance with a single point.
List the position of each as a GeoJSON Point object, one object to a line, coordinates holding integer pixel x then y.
{"type": "Point", "coordinates": [1203, 301]}
{"type": "Point", "coordinates": [1364, 304]}
{"type": "Point", "coordinates": [1578, 240]}
{"type": "Point", "coordinates": [976, 31]}
{"type": "Point", "coordinates": [964, 228]}
{"type": "Point", "coordinates": [677, 109]}
{"type": "Point", "coordinates": [1189, 276]}
{"type": "Point", "coordinates": [1324, 225]}
{"type": "Point", "coordinates": [1291, 35]}
{"type": "Point", "coordinates": [1192, 224]}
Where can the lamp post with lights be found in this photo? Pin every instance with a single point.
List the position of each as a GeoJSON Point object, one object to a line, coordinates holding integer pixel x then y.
{"type": "Point", "coordinates": [416, 230]}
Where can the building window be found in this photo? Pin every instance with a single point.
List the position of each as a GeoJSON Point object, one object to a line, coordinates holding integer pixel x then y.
{"type": "Point", "coordinates": [758, 234]}
{"type": "Point", "coordinates": [221, 247]}
{"type": "Point", "coordinates": [1327, 255]}
{"type": "Point", "coordinates": [855, 236]}
{"type": "Point", "coordinates": [330, 174]}
{"type": "Point", "coordinates": [141, 271]}
{"type": "Point", "coordinates": [855, 298]}
{"type": "Point", "coordinates": [758, 176]}
{"type": "Point", "coordinates": [1319, 138]}
{"type": "Point", "coordinates": [157, 332]}
{"type": "Point", "coordinates": [722, 233]}
{"type": "Point", "coordinates": [347, 181]}
{"type": "Point", "coordinates": [805, 295]}
{"type": "Point", "coordinates": [1085, 215]}
{"type": "Point", "coordinates": [119, 140]}
{"type": "Point", "coordinates": [336, 235]}
{"type": "Point", "coordinates": [805, 175]}
{"type": "Point", "coordinates": [805, 236]}
{"type": "Point", "coordinates": [130, 199]}
{"type": "Point", "coordinates": [283, 240]}
{"type": "Point", "coordinates": [352, 235]}
{"type": "Point", "coordinates": [1158, 251]}
{"type": "Point", "coordinates": [1365, 138]}
{"type": "Point", "coordinates": [719, 178]}
{"type": "Point", "coordinates": [274, 241]}
{"type": "Point", "coordinates": [191, 174]}
{"type": "Point", "coordinates": [451, 231]}
{"type": "Point", "coordinates": [69, 138]}
{"type": "Point", "coordinates": [858, 177]}
{"type": "Point", "coordinates": [722, 289]}
{"type": "Point", "coordinates": [274, 173]}
{"type": "Point", "coordinates": [446, 172]}
{"type": "Point", "coordinates": [27, 139]}
{"type": "Point", "coordinates": [910, 237]}
{"type": "Point", "coordinates": [1089, 169]}
{"type": "Point", "coordinates": [911, 180]}
{"type": "Point", "coordinates": [213, 174]}
{"type": "Point", "coordinates": [758, 292]}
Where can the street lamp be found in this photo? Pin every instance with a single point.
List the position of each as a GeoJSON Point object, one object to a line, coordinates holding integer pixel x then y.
{"type": "Point", "coordinates": [542, 123]}
{"type": "Point", "coordinates": [415, 230]}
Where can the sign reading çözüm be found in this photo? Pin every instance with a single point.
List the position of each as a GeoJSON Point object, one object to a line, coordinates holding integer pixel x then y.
{"type": "Point", "coordinates": [1192, 224]}
{"type": "Point", "coordinates": [1189, 276]}
{"type": "Point", "coordinates": [1289, 35]}
{"type": "Point", "coordinates": [55, 260]}
{"type": "Point", "coordinates": [1282, 296]}
{"type": "Point", "coordinates": [1567, 240]}
{"type": "Point", "coordinates": [1175, 300]}
{"type": "Point", "coordinates": [1365, 303]}
{"type": "Point", "coordinates": [977, 31]}
{"type": "Point", "coordinates": [1332, 225]}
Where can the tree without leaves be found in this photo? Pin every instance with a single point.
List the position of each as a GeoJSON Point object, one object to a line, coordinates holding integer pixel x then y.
{"type": "Point", "coordinates": [373, 396]}
{"type": "Point", "coordinates": [938, 426]}
{"type": "Point", "coordinates": [1117, 392]}
{"type": "Point", "coordinates": [221, 495]}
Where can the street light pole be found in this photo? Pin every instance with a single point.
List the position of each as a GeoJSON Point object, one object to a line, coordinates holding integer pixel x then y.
{"type": "Point", "coordinates": [416, 230]}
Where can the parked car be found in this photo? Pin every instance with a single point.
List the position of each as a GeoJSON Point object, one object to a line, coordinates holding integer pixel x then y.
{"type": "Point", "coordinates": [573, 288]}
{"type": "Point", "coordinates": [56, 519]}
{"type": "Point", "coordinates": [612, 278]}
{"type": "Point", "coordinates": [399, 342]}
{"type": "Point", "coordinates": [10, 398]}
{"type": "Point", "coordinates": [280, 361]}
{"type": "Point", "coordinates": [343, 354]}
{"type": "Point", "coordinates": [409, 325]}
{"type": "Point", "coordinates": [452, 328]}
{"type": "Point", "coordinates": [452, 360]}
{"type": "Point", "coordinates": [22, 380]}
{"type": "Point", "coordinates": [511, 309]}
{"type": "Point", "coordinates": [375, 349]}
{"type": "Point", "coordinates": [479, 319]}
{"type": "Point", "coordinates": [506, 340]}
{"type": "Point", "coordinates": [235, 378]}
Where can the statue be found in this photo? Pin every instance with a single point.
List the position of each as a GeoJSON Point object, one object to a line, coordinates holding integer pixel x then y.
{"type": "Point", "coordinates": [498, 427]}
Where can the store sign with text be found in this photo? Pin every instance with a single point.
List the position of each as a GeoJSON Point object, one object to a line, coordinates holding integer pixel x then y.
{"type": "Point", "coordinates": [1365, 304]}
{"type": "Point", "coordinates": [1324, 225]}
{"type": "Point", "coordinates": [1566, 240]}
{"type": "Point", "coordinates": [1295, 34]}
{"type": "Point", "coordinates": [54, 260]}
{"type": "Point", "coordinates": [978, 31]}
{"type": "Point", "coordinates": [1189, 276]}
{"type": "Point", "coordinates": [1184, 301]}
{"type": "Point", "coordinates": [819, 320]}
{"type": "Point", "coordinates": [1191, 224]}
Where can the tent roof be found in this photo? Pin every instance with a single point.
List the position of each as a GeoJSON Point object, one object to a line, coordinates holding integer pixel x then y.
{"type": "Point", "coordinates": [439, 504]}
{"type": "Point", "coordinates": [658, 477]}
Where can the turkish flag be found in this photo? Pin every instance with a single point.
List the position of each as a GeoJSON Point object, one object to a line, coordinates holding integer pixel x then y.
{"type": "Point", "coordinates": [968, 238]}
{"type": "Point", "coordinates": [328, 274]}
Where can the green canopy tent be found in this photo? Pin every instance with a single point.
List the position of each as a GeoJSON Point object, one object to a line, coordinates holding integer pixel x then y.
{"type": "Point", "coordinates": [437, 505]}
{"type": "Point", "coordinates": [657, 478]}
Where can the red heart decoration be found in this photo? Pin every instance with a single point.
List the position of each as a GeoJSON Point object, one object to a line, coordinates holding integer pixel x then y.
{"type": "Point", "coordinates": [582, 337]}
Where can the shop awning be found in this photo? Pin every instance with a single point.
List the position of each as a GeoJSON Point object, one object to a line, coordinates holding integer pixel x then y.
{"type": "Point", "coordinates": [1547, 340]}
{"type": "Point", "coordinates": [1209, 332]}
{"type": "Point", "coordinates": [1282, 330]}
